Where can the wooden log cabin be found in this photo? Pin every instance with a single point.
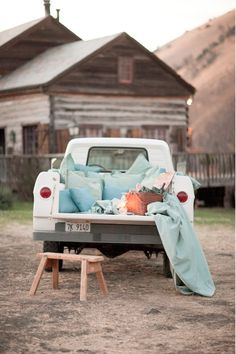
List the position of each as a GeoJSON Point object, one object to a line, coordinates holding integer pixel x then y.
{"type": "Point", "coordinates": [54, 86]}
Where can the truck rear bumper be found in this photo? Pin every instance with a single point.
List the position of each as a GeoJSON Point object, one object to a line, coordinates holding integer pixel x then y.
{"type": "Point", "coordinates": [104, 233]}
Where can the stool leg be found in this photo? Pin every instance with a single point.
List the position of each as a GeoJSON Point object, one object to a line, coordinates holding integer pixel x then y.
{"type": "Point", "coordinates": [38, 275]}
{"type": "Point", "coordinates": [84, 280]}
{"type": "Point", "coordinates": [101, 280]}
{"type": "Point", "coordinates": [55, 273]}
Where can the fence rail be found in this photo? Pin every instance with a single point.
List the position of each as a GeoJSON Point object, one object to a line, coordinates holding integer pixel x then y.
{"type": "Point", "coordinates": [211, 170]}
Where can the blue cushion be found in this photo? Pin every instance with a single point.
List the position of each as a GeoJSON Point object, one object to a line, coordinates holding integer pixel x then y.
{"type": "Point", "coordinates": [94, 184]}
{"type": "Point", "coordinates": [92, 174]}
{"type": "Point", "coordinates": [150, 176]}
{"type": "Point", "coordinates": [67, 164]}
{"type": "Point", "coordinates": [116, 185]}
{"type": "Point", "coordinates": [83, 198]}
{"type": "Point", "coordinates": [155, 171]}
{"type": "Point", "coordinates": [66, 204]}
{"type": "Point", "coordinates": [140, 165]}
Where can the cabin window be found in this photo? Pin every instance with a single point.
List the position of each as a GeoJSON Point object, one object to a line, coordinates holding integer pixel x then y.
{"type": "Point", "coordinates": [125, 70]}
{"type": "Point", "coordinates": [90, 130]}
{"type": "Point", "coordinates": [155, 132]}
{"type": "Point", "coordinates": [30, 139]}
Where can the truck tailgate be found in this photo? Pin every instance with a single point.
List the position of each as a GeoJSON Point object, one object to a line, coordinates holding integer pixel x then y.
{"type": "Point", "coordinates": [105, 218]}
{"type": "Point", "coordinates": [103, 228]}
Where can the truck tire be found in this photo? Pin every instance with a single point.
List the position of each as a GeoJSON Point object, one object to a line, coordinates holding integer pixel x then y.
{"type": "Point", "coordinates": [166, 266]}
{"type": "Point", "coordinates": [56, 247]}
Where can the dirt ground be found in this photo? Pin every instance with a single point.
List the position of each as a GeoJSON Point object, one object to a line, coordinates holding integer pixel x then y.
{"type": "Point", "coordinates": [142, 314]}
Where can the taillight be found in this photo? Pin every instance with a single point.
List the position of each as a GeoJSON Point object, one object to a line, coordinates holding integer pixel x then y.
{"type": "Point", "coordinates": [45, 192]}
{"type": "Point", "coordinates": [182, 196]}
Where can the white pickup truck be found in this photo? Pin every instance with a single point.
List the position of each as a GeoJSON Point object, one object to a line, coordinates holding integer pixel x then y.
{"type": "Point", "coordinates": [111, 234]}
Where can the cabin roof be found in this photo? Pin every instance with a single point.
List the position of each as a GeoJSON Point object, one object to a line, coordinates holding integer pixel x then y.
{"type": "Point", "coordinates": [56, 61]}
{"type": "Point", "coordinates": [12, 35]}
{"type": "Point", "coordinates": [22, 43]}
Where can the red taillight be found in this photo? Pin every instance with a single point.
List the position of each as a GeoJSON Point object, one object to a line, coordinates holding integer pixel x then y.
{"type": "Point", "coordinates": [182, 196]}
{"type": "Point", "coordinates": [45, 192]}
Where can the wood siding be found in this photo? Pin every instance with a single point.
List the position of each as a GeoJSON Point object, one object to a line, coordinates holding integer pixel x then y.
{"type": "Point", "coordinates": [118, 111]}
{"type": "Point", "coordinates": [100, 74]}
{"type": "Point", "coordinates": [124, 116]}
{"type": "Point", "coordinates": [116, 116]}
{"type": "Point", "coordinates": [20, 111]}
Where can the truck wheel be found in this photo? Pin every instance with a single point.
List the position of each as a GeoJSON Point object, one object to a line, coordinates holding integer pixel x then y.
{"type": "Point", "coordinates": [56, 247]}
{"type": "Point", "coordinates": [166, 266]}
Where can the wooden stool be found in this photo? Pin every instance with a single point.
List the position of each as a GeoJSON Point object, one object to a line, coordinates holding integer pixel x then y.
{"type": "Point", "coordinates": [89, 264]}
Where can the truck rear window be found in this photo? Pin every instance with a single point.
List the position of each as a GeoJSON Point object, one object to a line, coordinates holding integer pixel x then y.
{"type": "Point", "coordinates": [114, 158]}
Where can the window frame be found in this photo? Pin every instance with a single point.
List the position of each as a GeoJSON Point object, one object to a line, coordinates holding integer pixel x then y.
{"type": "Point", "coordinates": [125, 70]}
{"type": "Point", "coordinates": [32, 137]}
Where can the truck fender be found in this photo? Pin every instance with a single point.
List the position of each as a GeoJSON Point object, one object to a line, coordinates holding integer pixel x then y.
{"type": "Point", "coordinates": [184, 183]}
{"type": "Point", "coordinates": [45, 206]}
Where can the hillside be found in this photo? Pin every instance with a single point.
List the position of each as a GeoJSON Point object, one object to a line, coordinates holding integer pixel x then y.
{"type": "Point", "coordinates": [205, 58]}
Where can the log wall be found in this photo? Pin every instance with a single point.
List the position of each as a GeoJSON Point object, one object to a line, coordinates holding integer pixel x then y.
{"type": "Point", "coordinates": [119, 111]}
{"type": "Point", "coordinates": [110, 115]}
{"type": "Point", "coordinates": [19, 111]}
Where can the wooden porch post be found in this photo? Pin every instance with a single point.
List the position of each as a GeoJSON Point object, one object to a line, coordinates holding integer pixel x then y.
{"type": "Point", "coordinates": [52, 131]}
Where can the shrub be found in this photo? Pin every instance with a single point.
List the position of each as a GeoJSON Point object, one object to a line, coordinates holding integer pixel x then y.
{"type": "Point", "coordinates": [6, 198]}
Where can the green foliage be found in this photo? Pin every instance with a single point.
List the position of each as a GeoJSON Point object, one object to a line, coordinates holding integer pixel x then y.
{"type": "Point", "coordinates": [6, 198]}
{"type": "Point", "coordinates": [211, 216]}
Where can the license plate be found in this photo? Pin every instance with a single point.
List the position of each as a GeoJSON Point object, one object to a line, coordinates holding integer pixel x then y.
{"type": "Point", "coordinates": [77, 227]}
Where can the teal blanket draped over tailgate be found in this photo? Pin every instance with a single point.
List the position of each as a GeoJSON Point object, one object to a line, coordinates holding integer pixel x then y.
{"type": "Point", "coordinates": [189, 266]}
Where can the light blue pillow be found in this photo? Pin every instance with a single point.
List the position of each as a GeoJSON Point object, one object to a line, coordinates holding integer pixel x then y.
{"type": "Point", "coordinates": [116, 185]}
{"type": "Point", "coordinates": [70, 176]}
{"type": "Point", "coordinates": [155, 171]}
{"type": "Point", "coordinates": [94, 184]}
{"type": "Point", "coordinates": [95, 175]}
{"type": "Point", "coordinates": [140, 165]}
{"type": "Point", "coordinates": [66, 204]}
{"type": "Point", "coordinates": [151, 175]}
{"type": "Point", "coordinates": [85, 168]}
{"type": "Point", "coordinates": [67, 164]}
{"type": "Point", "coordinates": [83, 198]}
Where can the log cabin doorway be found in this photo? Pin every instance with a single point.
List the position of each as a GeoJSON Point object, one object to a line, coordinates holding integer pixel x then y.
{"type": "Point", "coordinates": [2, 141]}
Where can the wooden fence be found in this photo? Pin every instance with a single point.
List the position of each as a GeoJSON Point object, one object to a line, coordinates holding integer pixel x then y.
{"type": "Point", "coordinates": [211, 170]}
{"type": "Point", "coordinates": [19, 172]}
